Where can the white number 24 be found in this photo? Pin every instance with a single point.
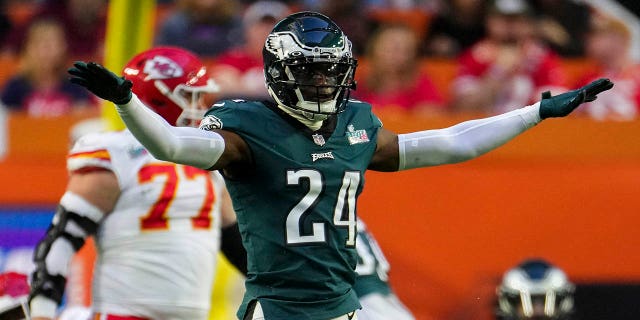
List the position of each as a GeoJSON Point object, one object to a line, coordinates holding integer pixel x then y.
{"type": "Point", "coordinates": [346, 196]}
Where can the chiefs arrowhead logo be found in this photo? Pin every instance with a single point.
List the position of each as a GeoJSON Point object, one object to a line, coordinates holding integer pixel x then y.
{"type": "Point", "coordinates": [162, 68]}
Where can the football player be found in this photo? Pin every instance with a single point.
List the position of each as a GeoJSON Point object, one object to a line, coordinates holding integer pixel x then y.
{"type": "Point", "coordinates": [535, 289]}
{"type": "Point", "coordinates": [157, 224]}
{"type": "Point", "coordinates": [295, 166]}
{"type": "Point", "coordinates": [378, 300]}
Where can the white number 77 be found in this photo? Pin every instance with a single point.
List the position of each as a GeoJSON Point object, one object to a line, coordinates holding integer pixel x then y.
{"type": "Point", "coordinates": [346, 195]}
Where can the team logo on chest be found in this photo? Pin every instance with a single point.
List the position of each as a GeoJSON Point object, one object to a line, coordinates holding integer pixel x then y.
{"type": "Point", "coordinates": [318, 139]}
{"type": "Point", "coordinates": [356, 136]}
{"type": "Point", "coordinates": [324, 155]}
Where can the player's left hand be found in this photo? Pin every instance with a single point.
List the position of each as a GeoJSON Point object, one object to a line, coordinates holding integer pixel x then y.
{"type": "Point", "coordinates": [562, 104]}
{"type": "Point", "coordinates": [102, 82]}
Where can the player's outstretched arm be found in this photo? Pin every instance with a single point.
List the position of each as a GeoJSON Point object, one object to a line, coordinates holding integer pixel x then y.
{"type": "Point", "coordinates": [471, 139]}
{"type": "Point", "coordinates": [186, 145]}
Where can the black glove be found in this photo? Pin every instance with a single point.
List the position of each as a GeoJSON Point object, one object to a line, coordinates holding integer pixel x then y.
{"type": "Point", "coordinates": [102, 82]}
{"type": "Point", "coordinates": [562, 104]}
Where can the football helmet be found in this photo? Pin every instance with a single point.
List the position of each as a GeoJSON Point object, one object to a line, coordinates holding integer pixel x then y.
{"type": "Point", "coordinates": [535, 289]}
{"type": "Point", "coordinates": [308, 65]}
{"type": "Point", "coordinates": [171, 81]}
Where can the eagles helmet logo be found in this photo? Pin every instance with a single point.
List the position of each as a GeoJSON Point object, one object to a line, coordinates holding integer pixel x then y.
{"type": "Point", "coordinates": [210, 122]}
{"type": "Point", "coordinates": [162, 68]}
{"type": "Point", "coordinates": [298, 48]}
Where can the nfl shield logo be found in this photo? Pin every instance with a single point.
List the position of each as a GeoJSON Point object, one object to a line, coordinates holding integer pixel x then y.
{"type": "Point", "coordinates": [318, 139]}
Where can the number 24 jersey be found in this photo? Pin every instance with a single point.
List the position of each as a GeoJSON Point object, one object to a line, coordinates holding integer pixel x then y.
{"type": "Point", "coordinates": [296, 206]}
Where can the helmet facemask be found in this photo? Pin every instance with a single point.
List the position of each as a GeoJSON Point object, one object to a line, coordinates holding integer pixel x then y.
{"type": "Point", "coordinates": [310, 72]}
{"type": "Point", "coordinates": [535, 290]}
{"type": "Point", "coordinates": [189, 99]}
{"type": "Point", "coordinates": [173, 82]}
{"type": "Point", "coordinates": [521, 304]}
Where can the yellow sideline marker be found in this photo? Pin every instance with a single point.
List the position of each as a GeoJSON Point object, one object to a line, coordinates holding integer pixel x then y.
{"type": "Point", "coordinates": [130, 28]}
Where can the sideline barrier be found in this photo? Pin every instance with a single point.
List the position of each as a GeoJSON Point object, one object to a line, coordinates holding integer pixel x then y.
{"type": "Point", "coordinates": [566, 190]}
{"type": "Point", "coordinates": [34, 169]}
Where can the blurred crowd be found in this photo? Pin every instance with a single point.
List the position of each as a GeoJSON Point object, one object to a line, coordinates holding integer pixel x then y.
{"type": "Point", "coordinates": [499, 54]}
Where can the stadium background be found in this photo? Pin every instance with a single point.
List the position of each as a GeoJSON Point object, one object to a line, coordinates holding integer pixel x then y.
{"type": "Point", "coordinates": [568, 191]}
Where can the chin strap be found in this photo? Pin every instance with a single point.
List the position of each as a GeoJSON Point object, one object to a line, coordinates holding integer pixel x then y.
{"type": "Point", "coordinates": [299, 115]}
{"type": "Point", "coordinates": [313, 124]}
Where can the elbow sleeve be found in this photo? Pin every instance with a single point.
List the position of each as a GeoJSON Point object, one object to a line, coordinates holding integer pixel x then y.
{"type": "Point", "coordinates": [75, 219]}
{"type": "Point", "coordinates": [184, 145]}
{"type": "Point", "coordinates": [465, 140]}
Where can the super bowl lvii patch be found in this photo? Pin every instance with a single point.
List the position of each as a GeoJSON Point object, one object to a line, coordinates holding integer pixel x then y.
{"type": "Point", "coordinates": [356, 136]}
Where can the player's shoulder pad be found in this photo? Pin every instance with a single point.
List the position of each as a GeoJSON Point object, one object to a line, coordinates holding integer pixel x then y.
{"type": "Point", "coordinates": [98, 140]}
{"type": "Point", "coordinates": [229, 111]}
{"type": "Point", "coordinates": [363, 108]}
{"type": "Point", "coordinates": [97, 149]}
{"type": "Point", "coordinates": [358, 104]}
{"type": "Point", "coordinates": [234, 104]}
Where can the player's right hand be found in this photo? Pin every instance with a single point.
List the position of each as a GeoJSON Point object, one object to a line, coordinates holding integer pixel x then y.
{"type": "Point", "coordinates": [102, 82]}
{"type": "Point", "coordinates": [562, 104]}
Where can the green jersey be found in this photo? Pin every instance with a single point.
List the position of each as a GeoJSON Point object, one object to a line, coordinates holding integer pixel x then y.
{"type": "Point", "coordinates": [373, 267]}
{"type": "Point", "coordinates": [296, 205]}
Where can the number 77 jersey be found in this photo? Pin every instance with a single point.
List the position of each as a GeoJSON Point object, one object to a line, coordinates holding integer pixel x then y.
{"type": "Point", "coordinates": [296, 205]}
{"type": "Point", "coordinates": [158, 246]}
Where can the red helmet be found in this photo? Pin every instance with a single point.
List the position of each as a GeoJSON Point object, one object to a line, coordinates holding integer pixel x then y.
{"type": "Point", "coordinates": [170, 81]}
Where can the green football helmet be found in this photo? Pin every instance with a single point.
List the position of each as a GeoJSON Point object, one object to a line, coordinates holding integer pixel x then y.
{"type": "Point", "coordinates": [309, 67]}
